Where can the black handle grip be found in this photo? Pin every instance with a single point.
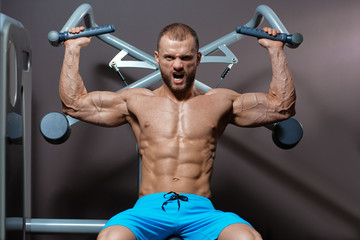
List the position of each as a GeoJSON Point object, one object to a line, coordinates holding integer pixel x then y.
{"type": "Point", "coordinates": [293, 40]}
{"type": "Point", "coordinates": [55, 38]}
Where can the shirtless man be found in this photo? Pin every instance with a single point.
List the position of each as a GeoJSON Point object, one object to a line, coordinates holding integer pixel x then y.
{"type": "Point", "coordinates": [177, 127]}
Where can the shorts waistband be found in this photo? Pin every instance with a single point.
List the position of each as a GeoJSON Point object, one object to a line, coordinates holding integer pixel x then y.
{"type": "Point", "coordinates": [163, 196]}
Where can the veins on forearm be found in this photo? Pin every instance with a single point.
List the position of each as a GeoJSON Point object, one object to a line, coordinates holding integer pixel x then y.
{"type": "Point", "coordinates": [281, 86]}
{"type": "Point", "coordinates": [71, 85]}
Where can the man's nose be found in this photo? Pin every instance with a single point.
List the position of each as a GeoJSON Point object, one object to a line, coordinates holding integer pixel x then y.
{"type": "Point", "coordinates": [178, 64]}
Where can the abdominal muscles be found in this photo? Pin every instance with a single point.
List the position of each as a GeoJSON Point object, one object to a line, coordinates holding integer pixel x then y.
{"type": "Point", "coordinates": [178, 165]}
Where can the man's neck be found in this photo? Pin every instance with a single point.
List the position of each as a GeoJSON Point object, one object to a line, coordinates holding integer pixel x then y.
{"type": "Point", "coordinates": [176, 96]}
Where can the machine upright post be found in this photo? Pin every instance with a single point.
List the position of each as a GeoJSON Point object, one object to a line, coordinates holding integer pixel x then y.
{"type": "Point", "coordinates": [15, 126]}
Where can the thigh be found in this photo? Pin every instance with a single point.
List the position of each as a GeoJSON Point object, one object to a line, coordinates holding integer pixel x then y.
{"type": "Point", "coordinates": [116, 232]}
{"type": "Point", "coordinates": [239, 231]}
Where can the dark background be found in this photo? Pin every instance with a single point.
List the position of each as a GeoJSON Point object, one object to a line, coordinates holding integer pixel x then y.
{"type": "Point", "coordinates": [309, 192]}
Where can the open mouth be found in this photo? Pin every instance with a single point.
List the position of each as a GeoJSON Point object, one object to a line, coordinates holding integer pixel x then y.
{"type": "Point", "coordinates": [178, 77]}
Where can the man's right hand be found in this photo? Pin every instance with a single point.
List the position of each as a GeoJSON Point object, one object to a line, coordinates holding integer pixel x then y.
{"type": "Point", "coordinates": [267, 43]}
{"type": "Point", "coordinates": [77, 42]}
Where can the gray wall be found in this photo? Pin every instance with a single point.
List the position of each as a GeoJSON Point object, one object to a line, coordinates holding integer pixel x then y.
{"type": "Point", "coordinates": [309, 192]}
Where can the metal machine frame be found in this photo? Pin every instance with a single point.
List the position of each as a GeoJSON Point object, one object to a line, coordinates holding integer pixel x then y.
{"type": "Point", "coordinates": [15, 126]}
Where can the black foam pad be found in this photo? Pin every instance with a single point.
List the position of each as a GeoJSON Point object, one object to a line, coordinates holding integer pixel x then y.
{"type": "Point", "coordinates": [287, 134]}
{"type": "Point", "coordinates": [14, 127]}
{"type": "Point", "coordinates": [55, 128]}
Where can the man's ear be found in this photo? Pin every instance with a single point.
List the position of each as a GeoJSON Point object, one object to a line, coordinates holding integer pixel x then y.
{"type": "Point", "coordinates": [156, 54]}
{"type": "Point", "coordinates": [199, 55]}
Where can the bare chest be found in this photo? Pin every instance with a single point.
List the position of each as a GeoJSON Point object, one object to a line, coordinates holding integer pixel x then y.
{"type": "Point", "coordinates": [200, 117]}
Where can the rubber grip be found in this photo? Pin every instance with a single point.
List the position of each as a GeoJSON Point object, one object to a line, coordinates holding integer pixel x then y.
{"type": "Point", "coordinates": [56, 38]}
{"type": "Point", "coordinates": [293, 40]}
{"type": "Point", "coordinates": [254, 32]}
{"type": "Point", "coordinates": [88, 32]}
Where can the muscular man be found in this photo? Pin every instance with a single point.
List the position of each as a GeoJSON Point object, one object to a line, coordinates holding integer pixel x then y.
{"type": "Point", "coordinates": [177, 127]}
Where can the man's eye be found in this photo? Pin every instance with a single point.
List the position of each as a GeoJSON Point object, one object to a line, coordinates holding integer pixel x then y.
{"type": "Point", "coordinates": [186, 58]}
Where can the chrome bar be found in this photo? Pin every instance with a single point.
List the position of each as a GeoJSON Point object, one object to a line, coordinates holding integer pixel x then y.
{"type": "Point", "coordinates": [44, 225]}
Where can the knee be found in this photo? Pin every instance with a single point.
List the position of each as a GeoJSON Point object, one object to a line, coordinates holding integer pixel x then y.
{"type": "Point", "coordinates": [250, 234]}
{"type": "Point", "coordinates": [116, 233]}
{"type": "Point", "coordinates": [108, 234]}
{"type": "Point", "coordinates": [239, 232]}
{"type": "Point", "coordinates": [103, 235]}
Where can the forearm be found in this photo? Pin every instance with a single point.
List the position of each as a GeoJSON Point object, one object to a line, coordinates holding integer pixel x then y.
{"type": "Point", "coordinates": [71, 86]}
{"type": "Point", "coordinates": [282, 87]}
{"type": "Point", "coordinates": [256, 109]}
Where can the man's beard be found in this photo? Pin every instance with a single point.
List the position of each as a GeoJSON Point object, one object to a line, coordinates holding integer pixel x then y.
{"type": "Point", "coordinates": [178, 88]}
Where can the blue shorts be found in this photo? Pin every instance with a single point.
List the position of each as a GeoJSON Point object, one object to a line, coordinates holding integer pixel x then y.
{"type": "Point", "coordinates": [160, 215]}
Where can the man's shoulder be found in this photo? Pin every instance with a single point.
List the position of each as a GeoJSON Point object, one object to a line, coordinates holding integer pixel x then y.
{"type": "Point", "coordinates": [221, 91]}
{"type": "Point", "coordinates": [138, 92]}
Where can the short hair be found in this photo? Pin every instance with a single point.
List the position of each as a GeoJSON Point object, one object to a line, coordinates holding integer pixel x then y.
{"type": "Point", "coordinates": [178, 32]}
